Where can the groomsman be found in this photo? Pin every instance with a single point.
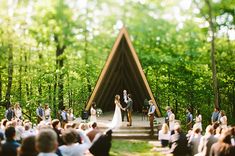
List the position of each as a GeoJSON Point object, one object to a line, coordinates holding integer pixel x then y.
{"type": "Point", "coordinates": [40, 113]}
{"type": "Point", "coordinates": [151, 114]}
{"type": "Point", "coordinates": [124, 104]}
{"type": "Point", "coordinates": [129, 109]}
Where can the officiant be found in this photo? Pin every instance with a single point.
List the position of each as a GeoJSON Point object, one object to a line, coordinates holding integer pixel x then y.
{"type": "Point", "coordinates": [124, 104]}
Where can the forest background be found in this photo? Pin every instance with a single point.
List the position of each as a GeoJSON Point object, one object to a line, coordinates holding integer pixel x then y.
{"type": "Point", "coordinates": [52, 51]}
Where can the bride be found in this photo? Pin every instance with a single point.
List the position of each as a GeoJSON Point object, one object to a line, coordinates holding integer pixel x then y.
{"type": "Point", "coordinates": [117, 117]}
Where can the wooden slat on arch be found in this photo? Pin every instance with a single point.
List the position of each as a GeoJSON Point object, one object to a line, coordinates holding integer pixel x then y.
{"type": "Point", "coordinates": [122, 70]}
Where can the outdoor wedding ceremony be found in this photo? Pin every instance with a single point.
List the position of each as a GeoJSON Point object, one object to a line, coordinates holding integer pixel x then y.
{"type": "Point", "coordinates": [117, 77]}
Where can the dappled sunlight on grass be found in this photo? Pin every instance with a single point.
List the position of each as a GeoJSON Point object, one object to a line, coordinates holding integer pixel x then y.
{"type": "Point", "coordinates": [132, 147]}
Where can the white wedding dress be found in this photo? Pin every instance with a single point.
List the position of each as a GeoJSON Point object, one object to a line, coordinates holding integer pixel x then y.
{"type": "Point", "coordinates": [117, 117]}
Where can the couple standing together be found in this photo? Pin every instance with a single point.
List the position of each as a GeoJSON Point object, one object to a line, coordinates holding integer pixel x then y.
{"type": "Point", "coordinates": [117, 117]}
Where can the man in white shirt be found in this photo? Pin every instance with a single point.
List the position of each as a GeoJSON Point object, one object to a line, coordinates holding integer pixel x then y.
{"type": "Point", "coordinates": [151, 114]}
{"type": "Point", "coordinates": [40, 113]}
{"type": "Point", "coordinates": [124, 104]}
{"type": "Point", "coordinates": [64, 117]}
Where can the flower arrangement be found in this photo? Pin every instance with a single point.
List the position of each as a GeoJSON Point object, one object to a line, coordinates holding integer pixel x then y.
{"type": "Point", "coordinates": [99, 112]}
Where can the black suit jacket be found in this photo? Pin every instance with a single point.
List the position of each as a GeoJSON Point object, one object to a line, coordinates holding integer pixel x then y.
{"type": "Point", "coordinates": [129, 106]}
{"type": "Point", "coordinates": [179, 145]}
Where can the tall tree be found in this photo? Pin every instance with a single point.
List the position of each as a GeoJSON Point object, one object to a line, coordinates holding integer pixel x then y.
{"type": "Point", "coordinates": [10, 76]}
{"type": "Point", "coordinates": [212, 49]}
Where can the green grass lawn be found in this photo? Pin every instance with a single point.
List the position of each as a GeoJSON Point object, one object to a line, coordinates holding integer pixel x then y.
{"type": "Point", "coordinates": [132, 148]}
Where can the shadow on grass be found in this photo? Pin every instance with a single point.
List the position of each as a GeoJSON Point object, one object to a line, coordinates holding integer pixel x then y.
{"type": "Point", "coordinates": [132, 148]}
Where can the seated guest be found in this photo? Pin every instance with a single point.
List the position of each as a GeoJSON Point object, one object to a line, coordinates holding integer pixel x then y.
{"type": "Point", "coordinates": [164, 135]}
{"type": "Point", "coordinates": [72, 147]}
{"type": "Point", "coordinates": [194, 140]}
{"type": "Point", "coordinates": [9, 148]}
{"type": "Point", "coordinates": [93, 130]}
{"type": "Point", "coordinates": [101, 144]}
{"type": "Point", "coordinates": [223, 147]}
{"type": "Point", "coordinates": [207, 141]}
{"type": "Point", "coordinates": [28, 147]}
{"type": "Point", "coordinates": [179, 143]}
{"type": "Point", "coordinates": [56, 128]}
{"type": "Point", "coordinates": [46, 142]}
{"type": "Point", "coordinates": [27, 131]}
{"type": "Point", "coordinates": [218, 132]}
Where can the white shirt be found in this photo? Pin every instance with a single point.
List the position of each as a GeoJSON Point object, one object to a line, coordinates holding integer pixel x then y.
{"type": "Point", "coordinates": [125, 98]}
{"type": "Point", "coordinates": [162, 136]}
{"type": "Point", "coordinates": [151, 109]}
{"type": "Point", "coordinates": [28, 133]}
{"type": "Point", "coordinates": [64, 115]}
{"type": "Point", "coordinates": [47, 154]}
{"type": "Point", "coordinates": [76, 149]}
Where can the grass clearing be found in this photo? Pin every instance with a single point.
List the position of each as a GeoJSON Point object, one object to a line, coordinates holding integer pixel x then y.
{"type": "Point", "coordinates": [132, 148]}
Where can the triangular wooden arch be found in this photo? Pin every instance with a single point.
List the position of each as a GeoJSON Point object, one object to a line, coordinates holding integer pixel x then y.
{"type": "Point", "coordinates": [122, 70]}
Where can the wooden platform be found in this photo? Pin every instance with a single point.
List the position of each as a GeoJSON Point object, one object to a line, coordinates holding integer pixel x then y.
{"type": "Point", "coordinates": [140, 128]}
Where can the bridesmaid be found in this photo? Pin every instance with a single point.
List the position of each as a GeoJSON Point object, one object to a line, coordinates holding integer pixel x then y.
{"type": "Point", "coordinates": [93, 112]}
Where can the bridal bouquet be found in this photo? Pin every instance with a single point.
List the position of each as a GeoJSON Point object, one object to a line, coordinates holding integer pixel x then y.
{"type": "Point", "coordinates": [99, 112]}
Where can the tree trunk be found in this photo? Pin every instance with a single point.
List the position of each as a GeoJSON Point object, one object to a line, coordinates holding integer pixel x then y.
{"type": "Point", "coordinates": [20, 79]}
{"type": "Point", "coordinates": [86, 57]}
{"type": "Point", "coordinates": [0, 86]}
{"type": "Point", "coordinates": [10, 76]}
{"type": "Point", "coordinates": [39, 71]}
{"type": "Point", "coordinates": [214, 75]}
{"type": "Point", "coordinates": [26, 83]}
{"type": "Point", "coordinates": [233, 100]}
{"type": "Point", "coordinates": [59, 66]}
{"type": "Point", "coordinates": [54, 97]}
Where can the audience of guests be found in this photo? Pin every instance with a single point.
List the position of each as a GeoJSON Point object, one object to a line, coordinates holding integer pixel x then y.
{"type": "Point", "coordinates": [75, 139]}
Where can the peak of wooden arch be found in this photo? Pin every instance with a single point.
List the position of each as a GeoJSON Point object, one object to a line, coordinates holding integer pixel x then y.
{"type": "Point", "coordinates": [122, 70]}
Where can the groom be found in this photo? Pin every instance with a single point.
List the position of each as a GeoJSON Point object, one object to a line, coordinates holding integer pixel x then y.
{"type": "Point", "coordinates": [129, 109]}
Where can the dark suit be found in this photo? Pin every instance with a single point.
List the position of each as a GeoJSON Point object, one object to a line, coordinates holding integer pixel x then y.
{"type": "Point", "coordinates": [102, 145]}
{"type": "Point", "coordinates": [124, 113]}
{"type": "Point", "coordinates": [129, 109]}
{"type": "Point", "coordinates": [9, 148]}
{"type": "Point", "coordinates": [179, 145]}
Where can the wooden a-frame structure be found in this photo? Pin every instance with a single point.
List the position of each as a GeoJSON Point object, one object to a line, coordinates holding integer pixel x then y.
{"type": "Point", "coordinates": [122, 70]}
